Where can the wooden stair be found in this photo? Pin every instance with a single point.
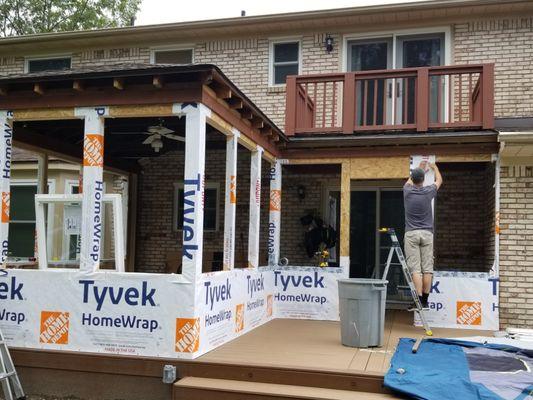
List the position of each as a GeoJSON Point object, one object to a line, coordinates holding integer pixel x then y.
{"type": "Point", "coordinates": [195, 388]}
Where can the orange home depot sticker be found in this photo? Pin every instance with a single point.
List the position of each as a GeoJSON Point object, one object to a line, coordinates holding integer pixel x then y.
{"type": "Point", "coordinates": [54, 327]}
{"type": "Point", "coordinates": [93, 150]}
{"type": "Point", "coordinates": [187, 335]}
{"type": "Point", "coordinates": [5, 206]}
{"type": "Point", "coordinates": [275, 200]}
{"type": "Point", "coordinates": [239, 317]}
{"type": "Point", "coordinates": [269, 305]}
{"type": "Point", "coordinates": [469, 312]}
{"type": "Point", "coordinates": [233, 189]}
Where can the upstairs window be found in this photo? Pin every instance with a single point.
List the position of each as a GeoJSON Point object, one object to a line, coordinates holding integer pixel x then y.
{"type": "Point", "coordinates": [48, 64]}
{"type": "Point", "coordinates": [181, 56]}
{"type": "Point", "coordinates": [284, 61]}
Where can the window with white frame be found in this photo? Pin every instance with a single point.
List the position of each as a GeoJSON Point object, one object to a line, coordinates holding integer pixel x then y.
{"type": "Point", "coordinates": [59, 63]}
{"type": "Point", "coordinates": [172, 56]}
{"type": "Point", "coordinates": [72, 223]}
{"type": "Point", "coordinates": [284, 60]}
{"type": "Point", "coordinates": [211, 206]}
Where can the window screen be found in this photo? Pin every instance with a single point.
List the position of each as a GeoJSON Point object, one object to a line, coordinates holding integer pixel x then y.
{"type": "Point", "coordinates": [50, 64]}
{"type": "Point", "coordinates": [210, 209]}
{"type": "Point", "coordinates": [173, 57]}
{"type": "Point", "coordinates": [285, 61]}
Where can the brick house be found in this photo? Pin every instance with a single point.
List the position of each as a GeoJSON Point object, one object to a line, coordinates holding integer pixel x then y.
{"type": "Point", "coordinates": [347, 168]}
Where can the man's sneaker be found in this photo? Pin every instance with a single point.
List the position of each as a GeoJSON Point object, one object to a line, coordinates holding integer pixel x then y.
{"type": "Point", "coordinates": [412, 307]}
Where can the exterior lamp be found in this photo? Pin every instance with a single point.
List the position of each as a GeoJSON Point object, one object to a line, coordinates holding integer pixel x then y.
{"type": "Point", "coordinates": [329, 43]}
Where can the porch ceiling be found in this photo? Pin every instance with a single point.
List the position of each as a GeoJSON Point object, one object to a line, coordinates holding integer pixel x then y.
{"type": "Point", "coordinates": [135, 90]}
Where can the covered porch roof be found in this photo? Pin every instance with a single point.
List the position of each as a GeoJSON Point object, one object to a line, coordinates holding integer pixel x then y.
{"type": "Point", "coordinates": [130, 91]}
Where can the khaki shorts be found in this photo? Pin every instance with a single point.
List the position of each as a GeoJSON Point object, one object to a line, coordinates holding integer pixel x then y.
{"type": "Point", "coordinates": [418, 246]}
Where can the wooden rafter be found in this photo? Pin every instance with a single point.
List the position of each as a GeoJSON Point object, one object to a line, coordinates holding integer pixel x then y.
{"type": "Point", "coordinates": [38, 88]}
{"type": "Point", "coordinates": [78, 86]}
{"type": "Point", "coordinates": [257, 123]}
{"type": "Point", "coordinates": [118, 83]}
{"type": "Point", "coordinates": [247, 114]}
{"type": "Point", "coordinates": [221, 91]}
{"type": "Point", "coordinates": [236, 104]}
{"type": "Point", "coordinates": [158, 81]}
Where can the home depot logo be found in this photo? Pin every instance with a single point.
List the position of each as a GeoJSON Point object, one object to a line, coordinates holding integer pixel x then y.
{"type": "Point", "coordinates": [239, 317]}
{"type": "Point", "coordinates": [187, 335]}
{"type": "Point", "coordinates": [275, 200]}
{"type": "Point", "coordinates": [233, 189]}
{"type": "Point", "coordinates": [6, 196]}
{"type": "Point", "coordinates": [469, 312]}
{"type": "Point", "coordinates": [270, 301]}
{"type": "Point", "coordinates": [54, 327]}
{"type": "Point", "coordinates": [93, 151]}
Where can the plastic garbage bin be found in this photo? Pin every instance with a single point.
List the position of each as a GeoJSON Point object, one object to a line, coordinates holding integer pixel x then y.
{"type": "Point", "coordinates": [362, 311]}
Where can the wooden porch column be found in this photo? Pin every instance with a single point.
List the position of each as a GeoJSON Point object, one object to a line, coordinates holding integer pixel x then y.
{"type": "Point", "coordinates": [255, 208]}
{"type": "Point", "coordinates": [274, 224]}
{"type": "Point", "coordinates": [344, 256]}
{"type": "Point", "coordinates": [6, 149]}
{"type": "Point", "coordinates": [193, 187]}
{"type": "Point", "coordinates": [230, 203]}
{"type": "Point", "coordinates": [92, 211]}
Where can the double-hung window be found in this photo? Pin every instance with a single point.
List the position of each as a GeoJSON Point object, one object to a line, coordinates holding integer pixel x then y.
{"type": "Point", "coordinates": [284, 61]}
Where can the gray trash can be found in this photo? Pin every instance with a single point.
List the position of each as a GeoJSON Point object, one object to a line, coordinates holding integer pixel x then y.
{"type": "Point", "coordinates": [362, 311]}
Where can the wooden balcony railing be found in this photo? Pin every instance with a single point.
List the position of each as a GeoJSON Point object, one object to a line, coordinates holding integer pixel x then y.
{"type": "Point", "coordinates": [421, 99]}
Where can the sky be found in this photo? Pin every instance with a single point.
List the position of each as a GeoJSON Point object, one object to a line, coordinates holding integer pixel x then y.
{"type": "Point", "coordinates": [164, 11]}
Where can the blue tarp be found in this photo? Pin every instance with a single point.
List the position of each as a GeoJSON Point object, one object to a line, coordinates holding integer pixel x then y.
{"type": "Point", "coordinates": [460, 370]}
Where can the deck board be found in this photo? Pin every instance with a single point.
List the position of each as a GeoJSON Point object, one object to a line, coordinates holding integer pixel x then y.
{"type": "Point", "coordinates": [316, 345]}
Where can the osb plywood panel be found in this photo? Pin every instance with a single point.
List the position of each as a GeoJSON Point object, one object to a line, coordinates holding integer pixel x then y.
{"type": "Point", "coordinates": [464, 158]}
{"type": "Point", "coordinates": [379, 168]}
{"type": "Point", "coordinates": [345, 210]}
{"type": "Point", "coordinates": [154, 110]}
{"type": "Point", "coordinates": [44, 114]}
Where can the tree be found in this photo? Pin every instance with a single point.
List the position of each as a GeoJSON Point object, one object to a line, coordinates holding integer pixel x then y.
{"type": "Point", "coordinates": [23, 17]}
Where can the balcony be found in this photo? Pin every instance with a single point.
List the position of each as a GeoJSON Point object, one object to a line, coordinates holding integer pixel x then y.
{"type": "Point", "coordinates": [412, 99]}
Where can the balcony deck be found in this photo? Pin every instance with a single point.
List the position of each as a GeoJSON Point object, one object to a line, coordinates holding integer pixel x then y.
{"type": "Point", "coordinates": [411, 99]}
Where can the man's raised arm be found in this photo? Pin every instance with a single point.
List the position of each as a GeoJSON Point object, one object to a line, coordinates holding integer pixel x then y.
{"type": "Point", "coordinates": [438, 176]}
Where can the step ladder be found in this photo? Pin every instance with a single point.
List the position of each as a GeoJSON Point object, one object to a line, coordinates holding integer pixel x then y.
{"type": "Point", "coordinates": [8, 375]}
{"type": "Point", "coordinates": [396, 248]}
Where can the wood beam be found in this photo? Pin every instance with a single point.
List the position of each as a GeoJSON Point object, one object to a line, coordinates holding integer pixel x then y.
{"type": "Point", "coordinates": [78, 86]}
{"type": "Point", "coordinates": [158, 81]}
{"type": "Point", "coordinates": [118, 83]}
{"type": "Point", "coordinates": [257, 123]}
{"type": "Point", "coordinates": [236, 104]}
{"type": "Point", "coordinates": [38, 88]}
{"type": "Point", "coordinates": [222, 92]}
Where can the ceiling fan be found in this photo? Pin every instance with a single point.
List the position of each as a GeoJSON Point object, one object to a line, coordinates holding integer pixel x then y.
{"type": "Point", "coordinates": [155, 137]}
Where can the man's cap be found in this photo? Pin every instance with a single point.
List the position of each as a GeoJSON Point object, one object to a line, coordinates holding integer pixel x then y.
{"type": "Point", "coordinates": [417, 175]}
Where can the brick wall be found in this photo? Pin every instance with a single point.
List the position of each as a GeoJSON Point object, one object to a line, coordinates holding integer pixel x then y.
{"type": "Point", "coordinates": [464, 215]}
{"type": "Point", "coordinates": [516, 247]}
{"type": "Point", "coordinates": [507, 43]}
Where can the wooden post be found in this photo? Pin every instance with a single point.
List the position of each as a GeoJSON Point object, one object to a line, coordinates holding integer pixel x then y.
{"type": "Point", "coordinates": [42, 188]}
{"type": "Point", "coordinates": [92, 211]}
{"type": "Point", "coordinates": [344, 256]}
{"type": "Point", "coordinates": [6, 150]}
{"type": "Point", "coordinates": [131, 225]}
{"type": "Point", "coordinates": [274, 224]}
{"type": "Point", "coordinates": [193, 187]}
{"type": "Point", "coordinates": [348, 103]}
{"type": "Point", "coordinates": [290, 106]}
{"type": "Point", "coordinates": [230, 204]}
{"type": "Point", "coordinates": [488, 96]}
{"type": "Point", "coordinates": [422, 100]}
{"type": "Point", "coordinates": [255, 208]}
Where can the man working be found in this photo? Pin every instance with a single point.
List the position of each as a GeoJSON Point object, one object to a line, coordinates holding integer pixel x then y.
{"type": "Point", "coordinates": [418, 240]}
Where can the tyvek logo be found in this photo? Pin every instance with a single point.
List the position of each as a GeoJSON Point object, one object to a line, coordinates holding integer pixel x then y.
{"type": "Point", "coordinates": [191, 188]}
{"type": "Point", "coordinates": [6, 196]}
{"type": "Point", "coordinates": [255, 285]}
{"type": "Point", "coordinates": [11, 290]}
{"type": "Point", "coordinates": [216, 293]}
{"type": "Point", "coordinates": [93, 150]}
{"type": "Point", "coordinates": [131, 296]}
{"type": "Point", "coordinates": [6, 167]}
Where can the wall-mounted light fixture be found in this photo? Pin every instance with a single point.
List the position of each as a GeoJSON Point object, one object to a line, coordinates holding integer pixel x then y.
{"type": "Point", "coordinates": [329, 43]}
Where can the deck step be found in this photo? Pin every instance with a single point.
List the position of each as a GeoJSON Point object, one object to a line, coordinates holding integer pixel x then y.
{"type": "Point", "coordinates": [193, 388]}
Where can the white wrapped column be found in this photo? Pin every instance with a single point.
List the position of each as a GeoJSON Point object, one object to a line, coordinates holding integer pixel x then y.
{"type": "Point", "coordinates": [193, 188]}
{"type": "Point", "coordinates": [230, 203]}
{"type": "Point", "coordinates": [274, 223]}
{"type": "Point", "coordinates": [255, 208]}
{"type": "Point", "coordinates": [92, 211]}
{"type": "Point", "coordinates": [6, 149]}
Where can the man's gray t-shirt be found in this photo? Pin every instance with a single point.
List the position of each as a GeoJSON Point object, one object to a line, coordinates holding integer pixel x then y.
{"type": "Point", "coordinates": [417, 204]}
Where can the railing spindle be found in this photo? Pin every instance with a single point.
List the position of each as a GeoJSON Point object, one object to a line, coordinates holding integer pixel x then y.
{"type": "Point", "coordinates": [375, 113]}
{"type": "Point", "coordinates": [439, 100]}
{"type": "Point", "coordinates": [470, 96]}
{"type": "Point", "coordinates": [405, 91]}
{"type": "Point", "coordinates": [324, 104]}
{"type": "Point", "coordinates": [450, 110]}
{"type": "Point", "coordinates": [460, 97]}
{"type": "Point", "coordinates": [334, 104]}
{"type": "Point", "coordinates": [365, 101]}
